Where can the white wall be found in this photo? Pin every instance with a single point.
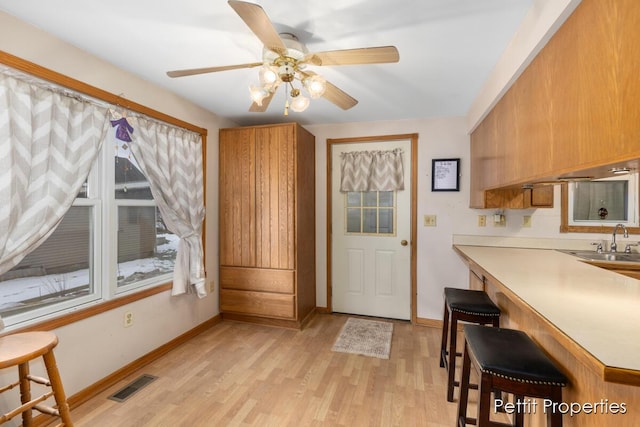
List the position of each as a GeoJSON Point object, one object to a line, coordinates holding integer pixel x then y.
{"type": "Point", "coordinates": [91, 349]}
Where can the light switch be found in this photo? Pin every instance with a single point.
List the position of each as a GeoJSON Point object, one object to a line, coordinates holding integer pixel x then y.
{"type": "Point", "coordinates": [429, 220]}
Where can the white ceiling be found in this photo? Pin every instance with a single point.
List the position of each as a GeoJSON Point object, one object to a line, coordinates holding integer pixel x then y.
{"type": "Point", "coordinates": [447, 49]}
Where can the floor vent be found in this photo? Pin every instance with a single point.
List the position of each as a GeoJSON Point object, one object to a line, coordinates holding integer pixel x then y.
{"type": "Point", "coordinates": [133, 387]}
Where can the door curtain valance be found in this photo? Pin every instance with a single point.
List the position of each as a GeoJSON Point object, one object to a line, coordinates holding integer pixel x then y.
{"type": "Point", "coordinates": [372, 171]}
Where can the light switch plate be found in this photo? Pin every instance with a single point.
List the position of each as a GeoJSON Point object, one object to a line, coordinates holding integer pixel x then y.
{"type": "Point", "coordinates": [429, 220]}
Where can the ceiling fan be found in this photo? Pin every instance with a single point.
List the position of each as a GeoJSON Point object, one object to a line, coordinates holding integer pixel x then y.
{"type": "Point", "coordinates": [285, 60]}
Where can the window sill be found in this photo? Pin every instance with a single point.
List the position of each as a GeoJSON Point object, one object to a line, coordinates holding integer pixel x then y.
{"type": "Point", "coordinates": [94, 310]}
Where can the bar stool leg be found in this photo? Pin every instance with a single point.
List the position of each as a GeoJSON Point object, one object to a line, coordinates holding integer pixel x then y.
{"type": "Point", "coordinates": [519, 415]}
{"type": "Point", "coordinates": [484, 400]}
{"type": "Point", "coordinates": [57, 387]}
{"type": "Point", "coordinates": [445, 332]}
{"type": "Point", "coordinates": [464, 388]}
{"type": "Point", "coordinates": [554, 418]}
{"type": "Point", "coordinates": [25, 392]}
{"type": "Point", "coordinates": [453, 342]}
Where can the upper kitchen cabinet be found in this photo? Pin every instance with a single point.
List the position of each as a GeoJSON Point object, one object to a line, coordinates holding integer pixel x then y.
{"type": "Point", "coordinates": [575, 110]}
{"type": "Point", "coordinates": [267, 224]}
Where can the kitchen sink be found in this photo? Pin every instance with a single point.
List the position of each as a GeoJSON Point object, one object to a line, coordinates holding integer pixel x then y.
{"type": "Point", "coordinates": [605, 256]}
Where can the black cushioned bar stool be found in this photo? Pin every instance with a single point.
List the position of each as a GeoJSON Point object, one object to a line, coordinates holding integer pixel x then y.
{"type": "Point", "coordinates": [467, 306]}
{"type": "Point", "coordinates": [508, 360]}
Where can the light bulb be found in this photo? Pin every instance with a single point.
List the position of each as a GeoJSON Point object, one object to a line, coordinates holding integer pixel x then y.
{"type": "Point", "coordinates": [258, 94]}
{"type": "Point", "coordinates": [299, 103]}
{"type": "Point", "coordinates": [315, 85]}
{"type": "Point", "coordinates": [268, 77]}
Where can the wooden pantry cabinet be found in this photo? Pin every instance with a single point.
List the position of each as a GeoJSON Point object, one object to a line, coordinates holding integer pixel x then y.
{"type": "Point", "coordinates": [267, 224]}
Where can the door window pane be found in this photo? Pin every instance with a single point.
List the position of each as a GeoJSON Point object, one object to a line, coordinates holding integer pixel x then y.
{"type": "Point", "coordinates": [353, 198]}
{"type": "Point", "coordinates": [353, 221]}
{"type": "Point", "coordinates": [370, 223]}
{"type": "Point", "coordinates": [385, 224]}
{"type": "Point", "coordinates": [370, 198]}
{"type": "Point", "coordinates": [386, 198]}
{"type": "Point", "coordinates": [371, 212]}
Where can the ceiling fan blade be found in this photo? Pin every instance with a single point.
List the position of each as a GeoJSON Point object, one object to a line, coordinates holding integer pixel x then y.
{"type": "Point", "coordinates": [365, 55]}
{"type": "Point", "coordinates": [334, 94]}
{"type": "Point", "coordinates": [339, 97]}
{"type": "Point", "coordinates": [194, 71]}
{"type": "Point", "coordinates": [257, 20]}
{"type": "Point", "coordinates": [255, 108]}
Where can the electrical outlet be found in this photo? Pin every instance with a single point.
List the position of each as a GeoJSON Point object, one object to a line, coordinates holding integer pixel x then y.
{"type": "Point", "coordinates": [499, 220]}
{"type": "Point", "coordinates": [212, 285]}
{"type": "Point", "coordinates": [526, 221]}
{"type": "Point", "coordinates": [128, 319]}
{"type": "Point", "coordinates": [429, 220]}
{"type": "Point", "coordinates": [482, 220]}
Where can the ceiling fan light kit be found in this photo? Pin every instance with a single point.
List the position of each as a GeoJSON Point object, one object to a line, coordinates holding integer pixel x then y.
{"type": "Point", "coordinates": [285, 59]}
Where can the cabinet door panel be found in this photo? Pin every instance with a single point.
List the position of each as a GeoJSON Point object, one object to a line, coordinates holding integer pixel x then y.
{"type": "Point", "coordinates": [275, 198]}
{"type": "Point", "coordinates": [237, 197]}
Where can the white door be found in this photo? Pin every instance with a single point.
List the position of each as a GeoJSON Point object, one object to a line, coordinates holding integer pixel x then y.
{"type": "Point", "coordinates": [370, 245]}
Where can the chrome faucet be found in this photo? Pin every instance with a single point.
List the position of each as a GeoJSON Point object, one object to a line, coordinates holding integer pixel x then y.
{"type": "Point", "coordinates": [614, 245]}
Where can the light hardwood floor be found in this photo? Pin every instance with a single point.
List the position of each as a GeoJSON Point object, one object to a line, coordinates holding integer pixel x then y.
{"type": "Point", "coordinates": [238, 374]}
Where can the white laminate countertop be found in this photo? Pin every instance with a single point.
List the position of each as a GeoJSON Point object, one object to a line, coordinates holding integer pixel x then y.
{"type": "Point", "coordinates": [596, 308]}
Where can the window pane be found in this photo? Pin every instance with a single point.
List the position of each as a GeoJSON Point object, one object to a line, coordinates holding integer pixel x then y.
{"type": "Point", "coordinates": [353, 220]}
{"type": "Point", "coordinates": [386, 221]}
{"type": "Point", "coordinates": [386, 198]}
{"type": "Point", "coordinates": [369, 225]}
{"type": "Point", "coordinates": [58, 270]}
{"type": "Point", "coordinates": [82, 194]}
{"type": "Point", "coordinates": [146, 248]}
{"type": "Point", "coordinates": [353, 198]}
{"type": "Point", "coordinates": [129, 180]}
{"type": "Point", "coordinates": [370, 198]}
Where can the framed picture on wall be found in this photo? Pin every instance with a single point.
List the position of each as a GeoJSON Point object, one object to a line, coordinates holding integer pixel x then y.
{"type": "Point", "coordinates": [445, 175]}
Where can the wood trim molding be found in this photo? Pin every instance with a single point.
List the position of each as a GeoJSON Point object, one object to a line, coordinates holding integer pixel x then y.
{"type": "Point", "coordinates": [564, 218]}
{"type": "Point", "coordinates": [77, 85]}
{"type": "Point", "coordinates": [108, 381]}
{"type": "Point", "coordinates": [75, 316]}
{"type": "Point", "coordinates": [413, 209]}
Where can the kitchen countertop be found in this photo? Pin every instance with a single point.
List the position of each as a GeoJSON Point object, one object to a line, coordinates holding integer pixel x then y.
{"type": "Point", "coordinates": [596, 308]}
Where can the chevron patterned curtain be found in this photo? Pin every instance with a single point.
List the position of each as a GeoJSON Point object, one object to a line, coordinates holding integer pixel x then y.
{"type": "Point", "coordinates": [171, 159]}
{"type": "Point", "coordinates": [372, 171]}
{"type": "Point", "coordinates": [48, 142]}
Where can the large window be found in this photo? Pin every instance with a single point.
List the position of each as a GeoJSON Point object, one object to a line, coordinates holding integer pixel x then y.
{"type": "Point", "coordinates": [113, 240]}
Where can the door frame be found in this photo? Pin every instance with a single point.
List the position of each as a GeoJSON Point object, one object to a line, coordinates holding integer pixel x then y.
{"type": "Point", "coordinates": [413, 137]}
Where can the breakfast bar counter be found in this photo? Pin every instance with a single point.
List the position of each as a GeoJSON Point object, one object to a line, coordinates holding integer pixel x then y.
{"type": "Point", "coordinates": [585, 317]}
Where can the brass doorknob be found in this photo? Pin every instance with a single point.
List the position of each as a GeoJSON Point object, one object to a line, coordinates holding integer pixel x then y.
{"type": "Point", "coordinates": [404, 243]}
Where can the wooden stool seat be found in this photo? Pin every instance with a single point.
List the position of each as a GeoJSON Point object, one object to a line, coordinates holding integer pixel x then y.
{"type": "Point", "coordinates": [507, 360]}
{"type": "Point", "coordinates": [462, 305]}
{"type": "Point", "coordinates": [18, 350]}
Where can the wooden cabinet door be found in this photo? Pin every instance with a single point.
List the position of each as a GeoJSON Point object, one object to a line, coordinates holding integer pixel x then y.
{"type": "Point", "coordinates": [237, 197]}
{"type": "Point", "coordinates": [275, 197]}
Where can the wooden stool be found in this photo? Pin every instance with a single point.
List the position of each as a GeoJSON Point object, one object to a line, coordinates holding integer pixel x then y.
{"type": "Point", "coordinates": [466, 306]}
{"type": "Point", "coordinates": [19, 349]}
{"type": "Point", "coordinates": [508, 360]}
